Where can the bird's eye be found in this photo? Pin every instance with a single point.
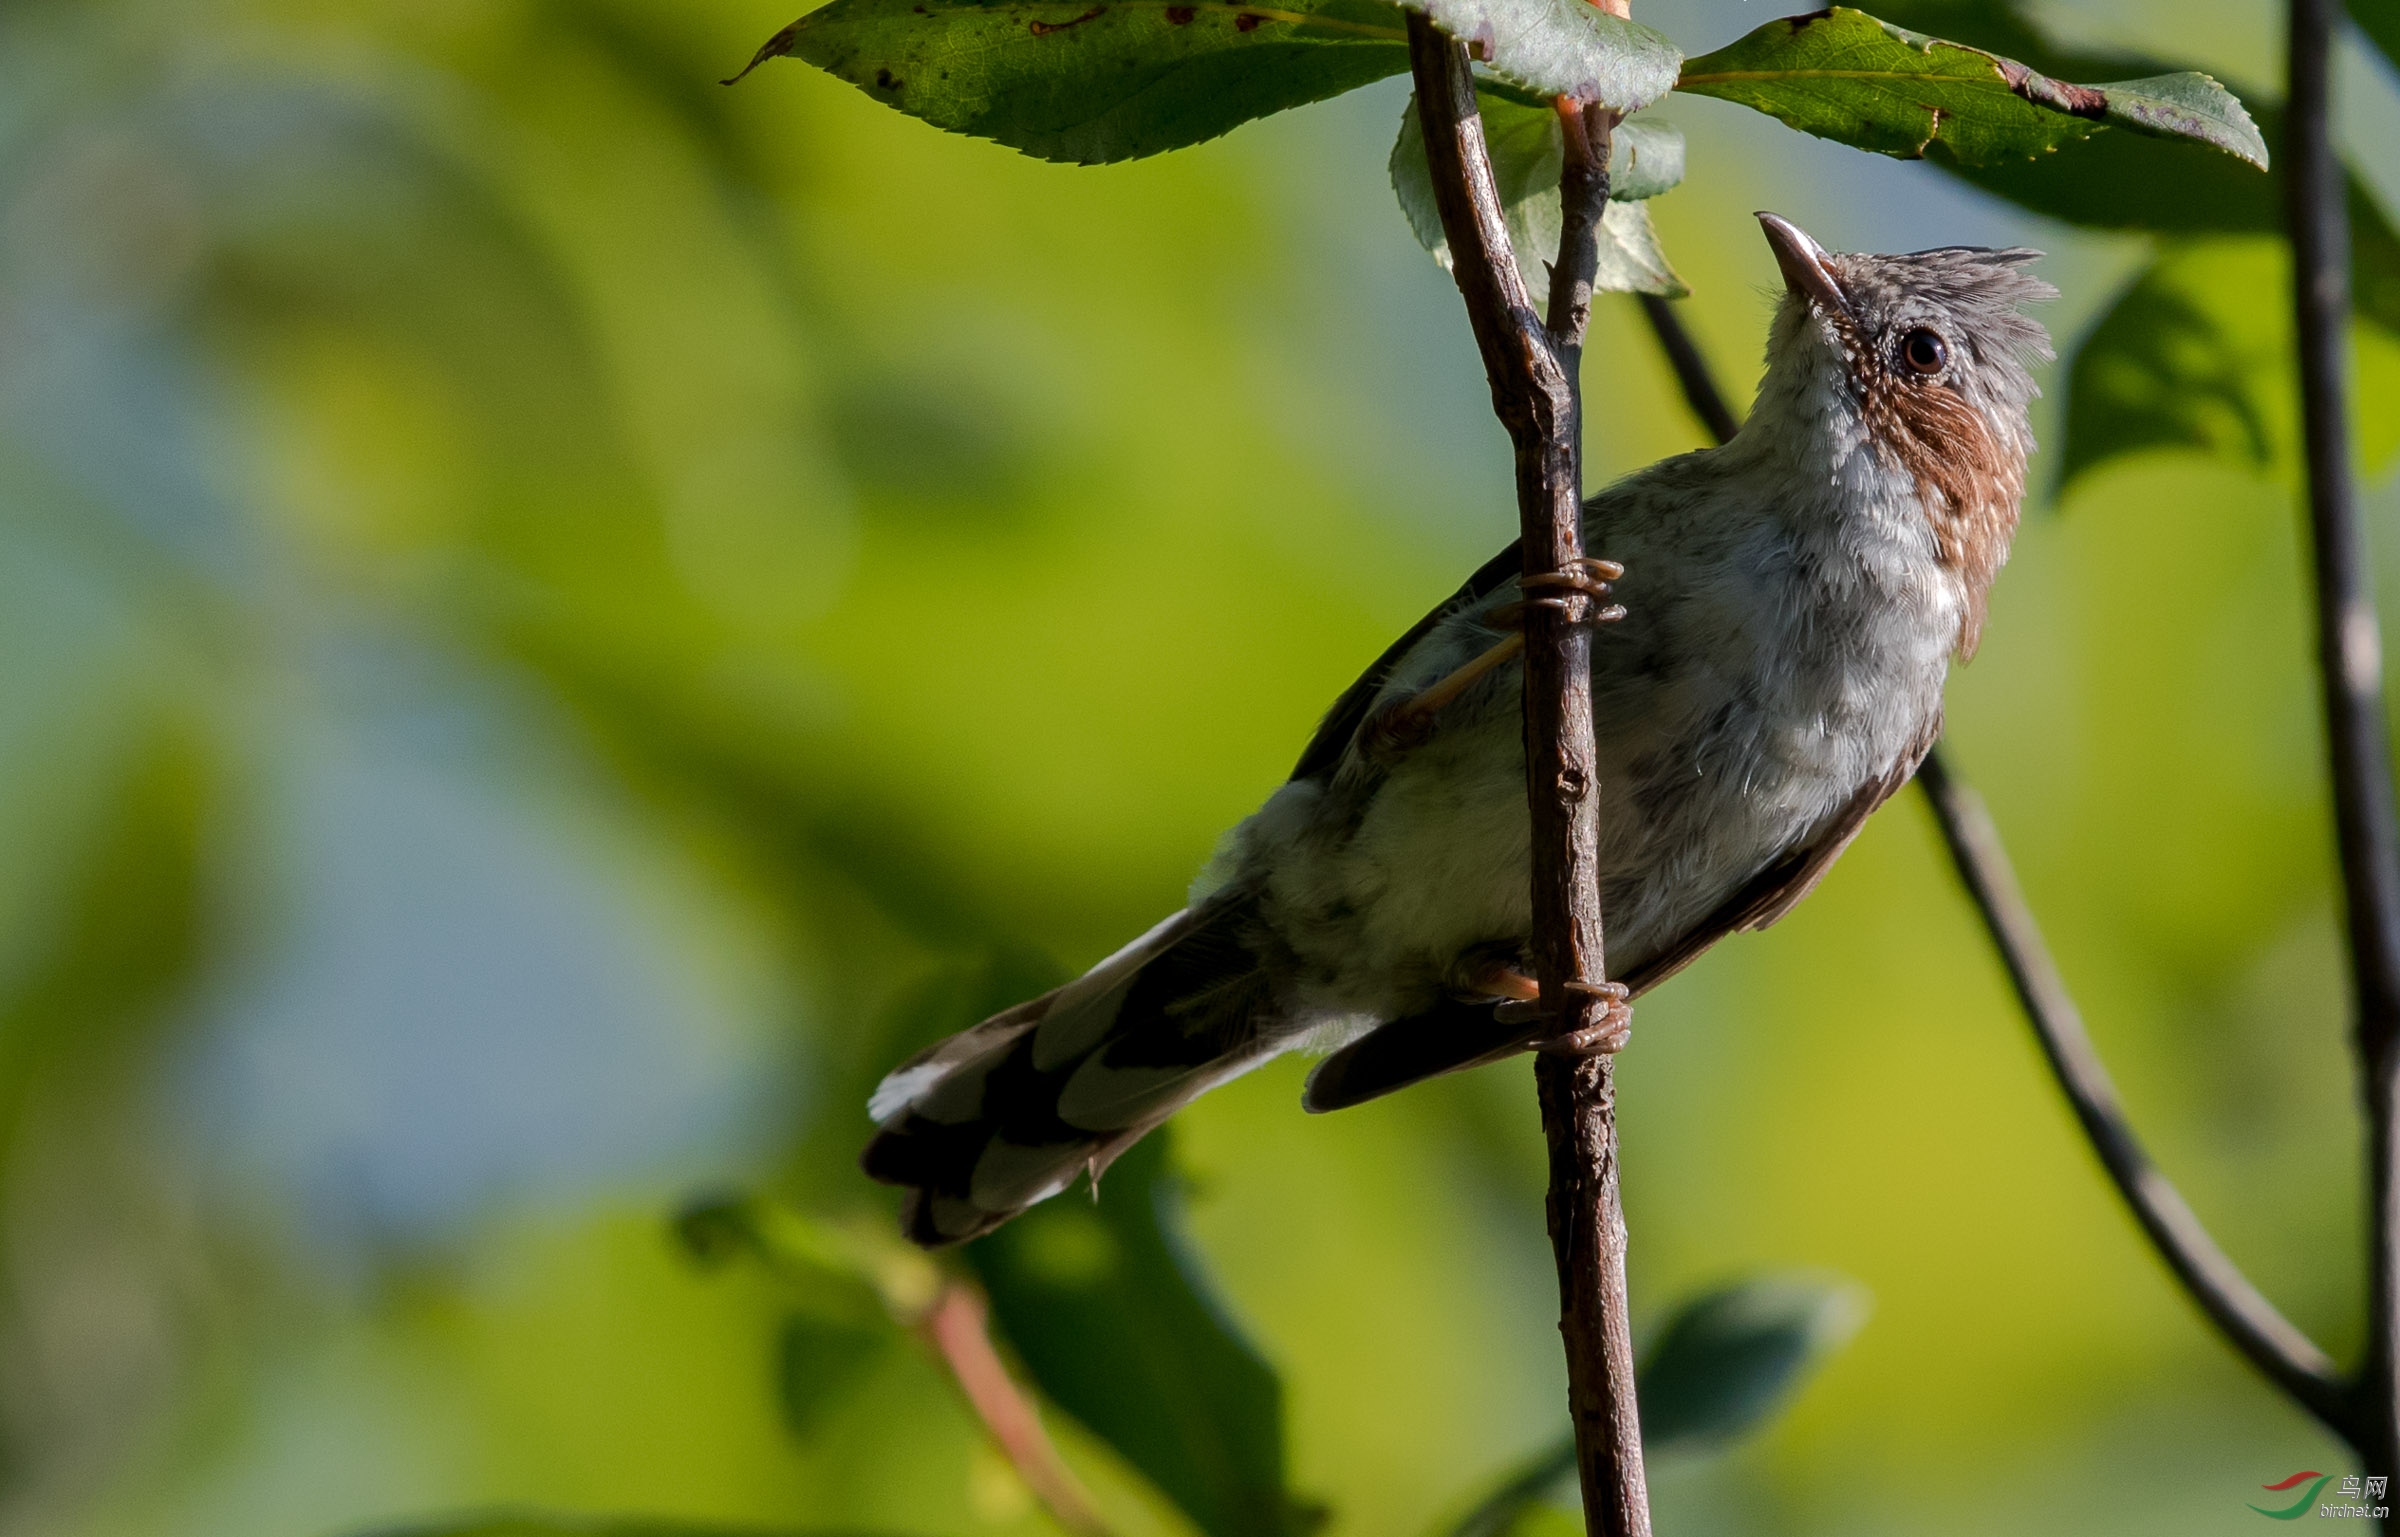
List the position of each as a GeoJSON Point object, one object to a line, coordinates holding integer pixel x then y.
{"type": "Point", "coordinates": [1924, 351]}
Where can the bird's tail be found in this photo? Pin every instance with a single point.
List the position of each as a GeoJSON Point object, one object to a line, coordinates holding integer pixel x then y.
{"type": "Point", "coordinates": [983, 1124]}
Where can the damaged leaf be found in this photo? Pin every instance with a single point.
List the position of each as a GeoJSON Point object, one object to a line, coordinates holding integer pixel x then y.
{"type": "Point", "coordinates": [1841, 74]}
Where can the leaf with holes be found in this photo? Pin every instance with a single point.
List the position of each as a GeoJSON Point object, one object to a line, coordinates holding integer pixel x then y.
{"type": "Point", "coordinates": [1097, 80]}
{"type": "Point", "coordinates": [1526, 153]}
{"type": "Point", "coordinates": [1842, 74]}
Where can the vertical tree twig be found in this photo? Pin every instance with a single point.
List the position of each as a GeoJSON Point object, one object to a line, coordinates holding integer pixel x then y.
{"type": "Point", "coordinates": [2349, 655]}
{"type": "Point", "coordinates": [2240, 1312]}
{"type": "Point", "coordinates": [1534, 392]}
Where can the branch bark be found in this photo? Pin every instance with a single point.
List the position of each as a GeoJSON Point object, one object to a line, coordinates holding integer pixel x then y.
{"type": "Point", "coordinates": [1531, 369]}
{"type": "Point", "coordinates": [2349, 656]}
{"type": "Point", "coordinates": [2251, 1323]}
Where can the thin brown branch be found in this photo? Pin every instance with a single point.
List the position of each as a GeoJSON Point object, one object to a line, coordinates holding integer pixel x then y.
{"type": "Point", "coordinates": [955, 1326]}
{"type": "Point", "coordinates": [2350, 659]}
{"type": "Point", "coordinates": [1534, 394]}
{"type": "Point", "coordinates": [2241, 1313]}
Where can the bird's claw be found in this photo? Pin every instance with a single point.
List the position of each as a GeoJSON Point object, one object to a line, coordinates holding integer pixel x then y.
{"type": "Point", "coordinates": [1605, 1037]}
{"type": "Point", "coordinates": [1565, 591]}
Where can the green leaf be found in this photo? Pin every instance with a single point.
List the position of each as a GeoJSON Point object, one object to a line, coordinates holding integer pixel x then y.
{"type": "Point", "coordinates": [2380, 21]}
{"type": "Point", "coordinates": [1562, 48]}
{"type": "Point", "coordinates": [2129, 182]}
{"type": "Point", "coordinates": [1108, 1309]}
{"type": "Point", "coordinates": [1527, 152]}
{"type": "Point", "coordinates": [2181, 360]}
{"type": "Point", "coordinates": [1730, 1359]}
{"type": "Point", "coordinates": [542, 1524]}
{"type": "Point", "coordinates": [1097, 80]}
{"type": "Point", "coordinates": [1723, 1366]}
{"type": "Point", "coordinates": [1645, 159]}
{"type": "Point", "coordinates": [1842, 74]}
{"type": "Point", "coordinates": [818, 1361]}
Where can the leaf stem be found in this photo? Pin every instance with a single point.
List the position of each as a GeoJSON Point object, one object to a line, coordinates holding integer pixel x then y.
{"type": "Point", "coordinates": [1528, 364]}
{"type": "Point", "coordinates": [956, 1327]}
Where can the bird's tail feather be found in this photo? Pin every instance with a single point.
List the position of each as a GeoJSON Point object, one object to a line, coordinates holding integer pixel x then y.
{"type": "Point", "coordinates": [983, 1124]}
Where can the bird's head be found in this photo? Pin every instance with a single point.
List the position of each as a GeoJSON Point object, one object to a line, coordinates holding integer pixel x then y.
{"type": "Point", "coordinates": [1912, 373]}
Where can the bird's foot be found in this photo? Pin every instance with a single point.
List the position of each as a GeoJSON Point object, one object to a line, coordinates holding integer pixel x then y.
{"type": "Point", "coordinates": [1604, 1037]}
{"type": "Point", "coordinates": [1585, 577]}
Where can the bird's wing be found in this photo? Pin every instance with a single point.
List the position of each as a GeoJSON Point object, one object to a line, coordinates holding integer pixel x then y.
{"type": "Point", "coordinates": [1457, 1033]}
{"type": "Point", "coordinates": [1340, 725]}
{"type": "Point", "coordinates": [1778, 888]}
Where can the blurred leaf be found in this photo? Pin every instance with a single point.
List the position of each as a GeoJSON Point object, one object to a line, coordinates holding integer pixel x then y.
{"type": "Point", "coordinates": [1842, 74]}
{"type": "Point", "coordinates": [1729, 1360]}
{"type": "Point", "coordinates": [1108, 1309]}
{"type": "Point", "coordinates": [2159, 371]}
{"type": "Point", "coordinates": [532, 1525]}
{"type": "Point", "coordinates": [1527, 153]}
{"type": "Point", "coordinates": [1114, 80]}
{"type": "Point", "coordinates": [818, 1361]}
{"type": "Point", "coordinates": [842, 1273]}
{"type": "Point", "coordinates": [1722, 1367]}
{"type": "Point", "coordinates": [1562, 48]}
{"type": "Point", "coordinates": [2380, 21]}
{"type": "Point", "coordinates": [119, 941]}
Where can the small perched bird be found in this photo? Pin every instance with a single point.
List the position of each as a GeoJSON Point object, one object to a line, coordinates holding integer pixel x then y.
{"type": "Point", "coordinates": [1795, 598]}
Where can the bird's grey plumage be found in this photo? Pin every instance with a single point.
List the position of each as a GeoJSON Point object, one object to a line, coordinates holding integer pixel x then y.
{"type": "Point", "coordinates": [1794, 599]}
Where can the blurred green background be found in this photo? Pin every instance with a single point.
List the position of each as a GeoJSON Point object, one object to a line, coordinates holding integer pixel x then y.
{"type": "Point", "coordinates": [549, 607]}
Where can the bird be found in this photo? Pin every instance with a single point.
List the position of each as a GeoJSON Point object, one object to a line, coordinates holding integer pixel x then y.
{"type": "Point", "coordinates": [1787, 608]}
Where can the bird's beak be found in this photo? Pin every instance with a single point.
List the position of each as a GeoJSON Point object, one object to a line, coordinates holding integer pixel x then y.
{"type": "Point", "coordinates": [1803, 264]}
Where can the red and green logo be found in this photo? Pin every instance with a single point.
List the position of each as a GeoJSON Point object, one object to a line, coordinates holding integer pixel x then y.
{"type": "Point", "coordinates": [2316, 1482]}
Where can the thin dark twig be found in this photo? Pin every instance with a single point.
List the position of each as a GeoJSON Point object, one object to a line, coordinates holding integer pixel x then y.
{"type": "Point", "coordinates": [1534, 395]}
{"type": "Point", "coordinates": [2350, 659]}
{"type": "Point", "coordinates": [2241, 1313]}
{"type": "Point", "coordinates": [1691, 369]}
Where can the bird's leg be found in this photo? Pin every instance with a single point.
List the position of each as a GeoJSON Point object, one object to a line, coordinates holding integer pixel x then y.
{"type": "Point", "coordinates": [1408, 722]}
{"type": "Point", "coordinates": [1606, 1038]}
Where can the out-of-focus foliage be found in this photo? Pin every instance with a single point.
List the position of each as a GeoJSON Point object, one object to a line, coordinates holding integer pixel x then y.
{"type": "Point", "coordinates": [1721, 1367]}
{"type": "Point", "coordinates": [2170, 365]}
{"type": "Point", "coordinates": [567, 1526]}
{"type": "Point", "coordinates": [560, 618]}
{"type": "Point", "coordinates": [1113, 1319]}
